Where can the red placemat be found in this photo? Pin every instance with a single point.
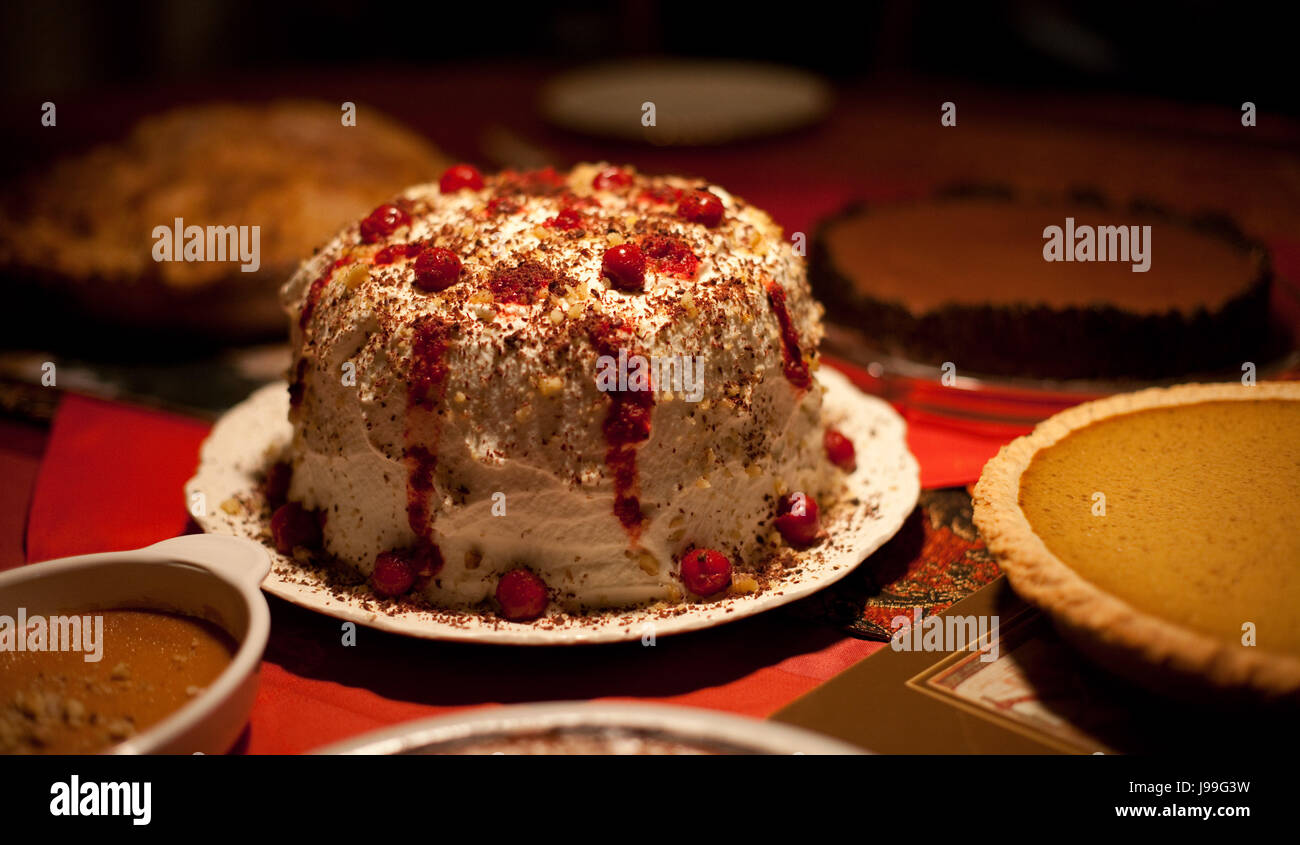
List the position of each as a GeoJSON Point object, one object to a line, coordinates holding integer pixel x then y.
{"type": "Point", "coordinates": [950, 455]}
{"type": "Point", "coordinates": [21, 447]}
{"type": "Point", "coordinates": [112, 479]}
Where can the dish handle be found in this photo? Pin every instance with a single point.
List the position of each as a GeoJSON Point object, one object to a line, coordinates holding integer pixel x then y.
{"type": "Point", "coordinates": [243, 559]}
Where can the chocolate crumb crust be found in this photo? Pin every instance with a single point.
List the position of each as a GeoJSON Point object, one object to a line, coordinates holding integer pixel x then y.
{"type": "Point", "coordinates": [1032, 340]}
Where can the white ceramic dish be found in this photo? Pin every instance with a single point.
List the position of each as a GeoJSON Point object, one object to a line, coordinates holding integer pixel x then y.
{"type": "Point", "coordinates": [885, 485]}
{"type": "Point", "coordinates": [624, 723]}
{"type": "Point", "coordinates": [205, 576]}
{"type": "Point", "coordinates": [696, 101]}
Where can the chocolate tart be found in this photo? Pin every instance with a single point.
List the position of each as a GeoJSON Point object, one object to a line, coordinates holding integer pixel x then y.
{"type": "Point", "coordinates": [962, 278]}
{"type": "Point", "coordinates": [1153, 526]}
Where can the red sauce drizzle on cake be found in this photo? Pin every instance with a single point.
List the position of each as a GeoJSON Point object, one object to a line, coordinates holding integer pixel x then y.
{"type": "Point", "coordinates": [317, 288]}
{"type": "Point", "coordinates": [663, 195]}
{"type": "Point", "coordinates": [502, 205]}
{"type": "Point", "coordinates": [568, 219]}
{"type": "Point", "coordinates": [667, 254]}
{"type": "Point", "coordinates": [540, 182]}
{"type": "Point", "coordinates": [392, 253]}
{"type": "Point", "coordinates": [419, 488]}
{"type": "Point", "coordinates": [796, 370]}
{"type": "Point", "coordinates": [572, 200]}
{"type": "Point", "coordinates": [626, 425]}
{"type": "Point", "coordinates": [425, 388]}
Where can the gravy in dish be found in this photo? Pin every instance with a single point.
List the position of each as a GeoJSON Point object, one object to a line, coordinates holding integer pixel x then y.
{"type": "Point", "coordinates": [151, 663]}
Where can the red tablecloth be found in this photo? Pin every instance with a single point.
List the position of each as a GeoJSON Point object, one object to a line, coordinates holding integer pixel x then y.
{"type": "Point", "coordinates": [112, 479]}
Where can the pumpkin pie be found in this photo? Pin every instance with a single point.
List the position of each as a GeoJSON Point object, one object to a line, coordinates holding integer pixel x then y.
{"type": "Point", "coordinates": [1158, 529]}
{"type": "Point", "coordinates": [964, 277]}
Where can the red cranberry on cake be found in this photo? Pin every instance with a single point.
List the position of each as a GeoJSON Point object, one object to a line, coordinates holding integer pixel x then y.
{"type": "Point", "coordinates": [798, 519]}
{"type": "Point", "coordinates": [705, 572]}
{"type": "Point", "coordinates": [839, 450]}
{"type": "Point", "coordinates": [521, 595]}
{"type": "Point", "coordinates": [572, 391]}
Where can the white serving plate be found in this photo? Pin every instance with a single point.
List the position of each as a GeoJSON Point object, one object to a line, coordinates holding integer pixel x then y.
{"type": "Point", "coordinates": [886, 485]}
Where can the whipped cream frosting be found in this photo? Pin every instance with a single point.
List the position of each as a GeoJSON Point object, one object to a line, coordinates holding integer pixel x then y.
{"type": "Point", "coordinates": [471, 417]}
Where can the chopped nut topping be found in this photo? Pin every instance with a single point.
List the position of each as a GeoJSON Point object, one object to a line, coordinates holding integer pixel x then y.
{"type": "Point", "coordinates": [742, 585]}
{"type": "Point", "coordinates": [120, 729]}
{"type": "Point", "coordinates": [354, 275]}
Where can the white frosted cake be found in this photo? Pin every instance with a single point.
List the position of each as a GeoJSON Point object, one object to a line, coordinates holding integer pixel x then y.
{"type": "Point", "coordinates": [472, 410]}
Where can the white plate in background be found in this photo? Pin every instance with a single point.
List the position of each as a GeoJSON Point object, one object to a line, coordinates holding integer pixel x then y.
{"type": "Point", "coordinates": [697, 101]}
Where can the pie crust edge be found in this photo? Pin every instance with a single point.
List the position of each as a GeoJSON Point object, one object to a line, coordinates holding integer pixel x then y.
{"type": "Point", "coordinates": [1131, 642]}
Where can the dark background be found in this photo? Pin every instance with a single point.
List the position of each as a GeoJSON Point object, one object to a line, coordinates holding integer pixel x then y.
{"type": "Point", "coordinates": [1191, 51]}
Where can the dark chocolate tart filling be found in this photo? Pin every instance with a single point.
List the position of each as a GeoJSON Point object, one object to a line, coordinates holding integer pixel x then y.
{"type": "Point", "coordinates": [1006, 336]}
